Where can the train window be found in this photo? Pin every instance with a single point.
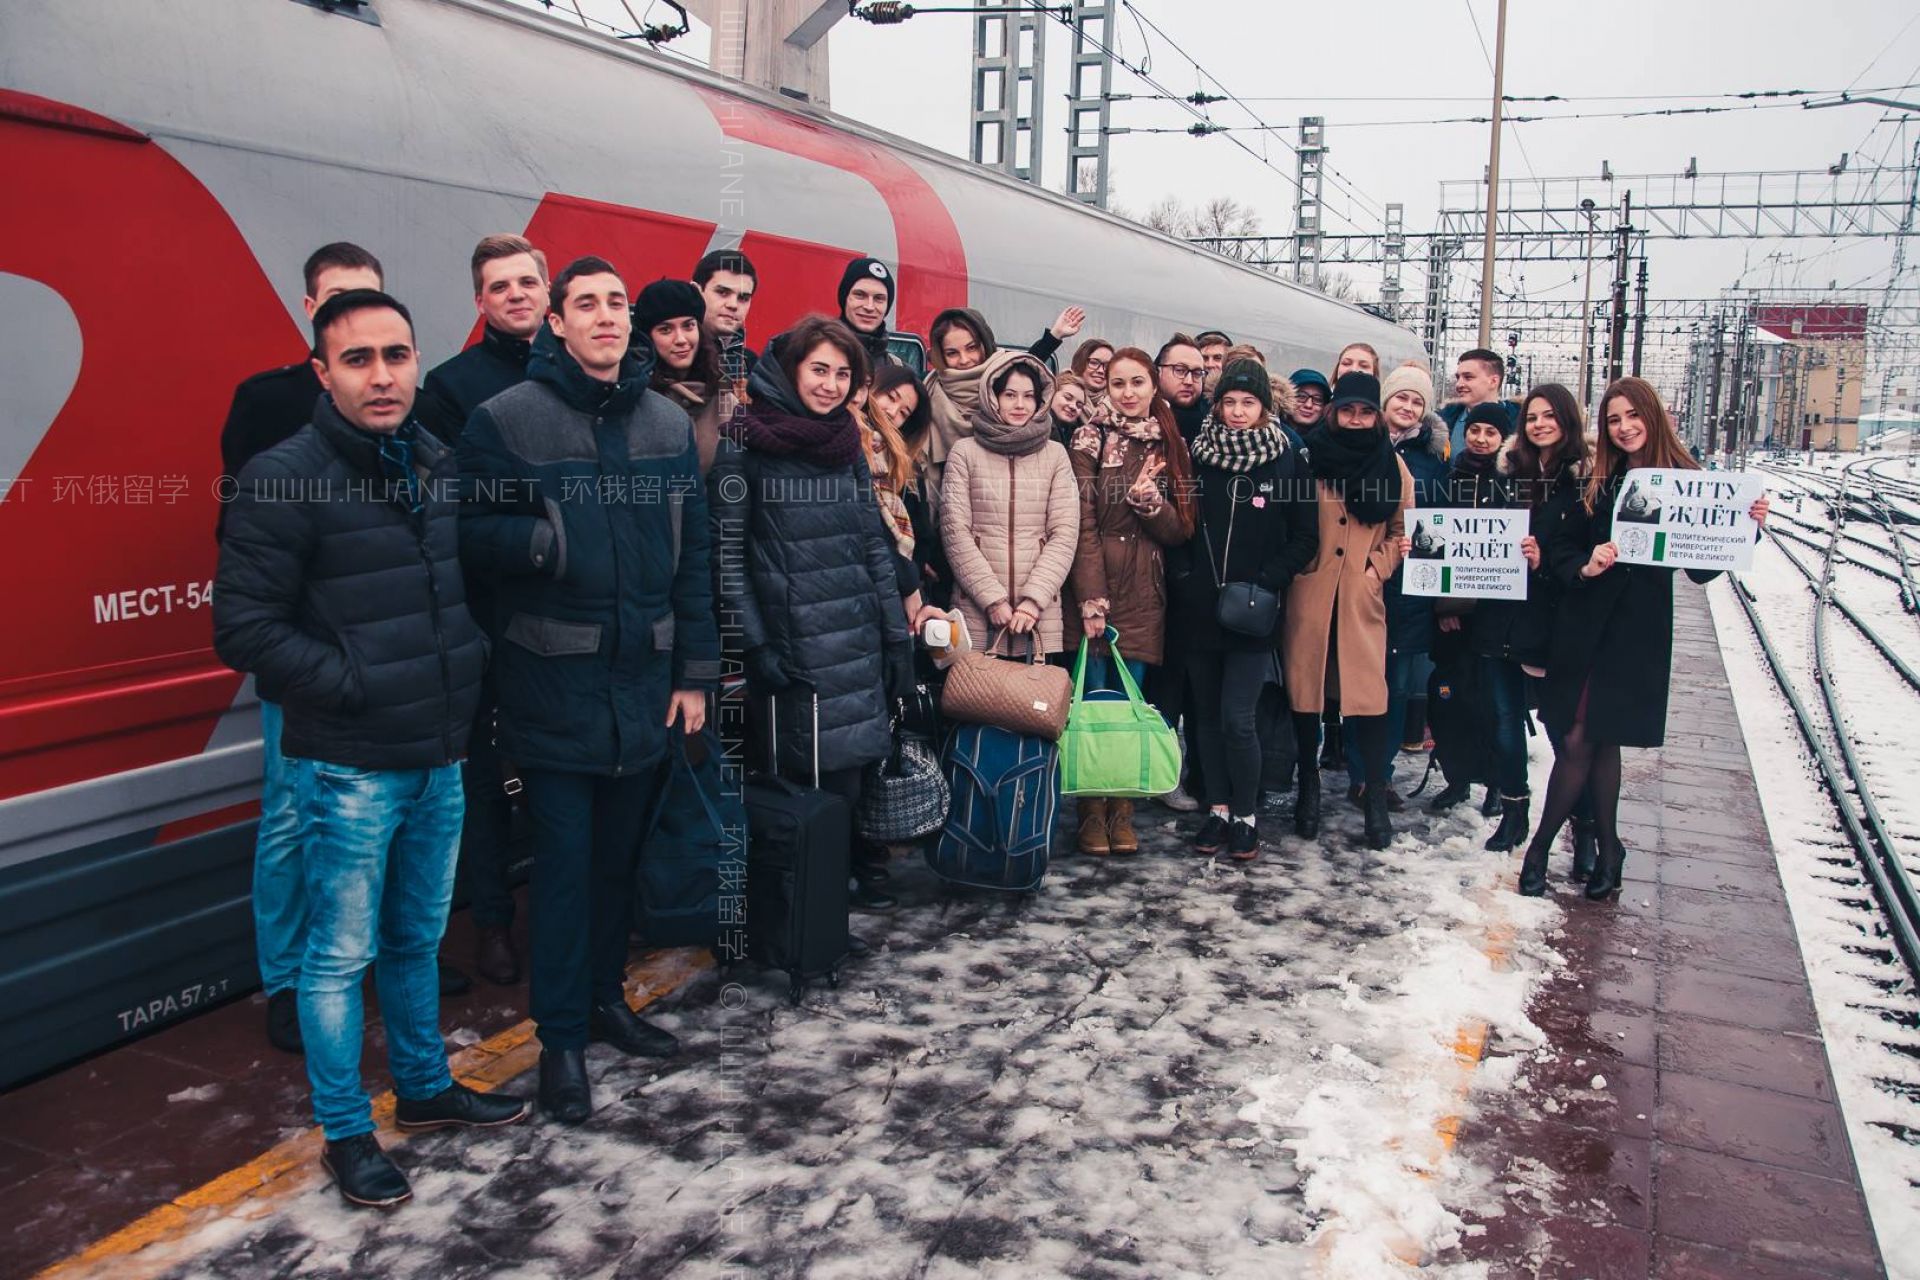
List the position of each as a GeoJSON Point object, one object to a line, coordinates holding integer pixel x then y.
{"type": "Point", "coordinates": [909, 350]}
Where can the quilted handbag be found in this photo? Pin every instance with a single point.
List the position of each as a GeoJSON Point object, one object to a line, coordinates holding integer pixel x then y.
{"type": "Point", "coordinates": [1116, 748]}
{"type": "Point", "coordinates": [905, 796]}
{"type": "Point", "coordinates": [1028, 697]}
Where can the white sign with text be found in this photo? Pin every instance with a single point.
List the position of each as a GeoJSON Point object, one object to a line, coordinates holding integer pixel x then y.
{"type": "Point", "coordinates": [1467, 552]}
{"type": "Point", "coordinates": [1686, 519]}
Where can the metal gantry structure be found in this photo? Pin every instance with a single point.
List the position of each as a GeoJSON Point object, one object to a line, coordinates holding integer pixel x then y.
{"type": "Point", "coordinates": [1009, 87]}
{"type": "Point", "coordinates": [1089, 101]}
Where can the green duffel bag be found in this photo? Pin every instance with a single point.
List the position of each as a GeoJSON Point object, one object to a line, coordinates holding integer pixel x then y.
{"type": "Point", "coordinates": [1116, 746]}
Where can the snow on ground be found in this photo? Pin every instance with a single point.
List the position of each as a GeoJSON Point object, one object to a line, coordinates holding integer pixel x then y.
{"type": "Point", "coordinates": [1869, 1015]}
{"type": "Point", "coordinates": [1160, 1066]}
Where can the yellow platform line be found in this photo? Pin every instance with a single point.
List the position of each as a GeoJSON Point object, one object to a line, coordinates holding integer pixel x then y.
{"type": "Point", "coordinates": [1469, 1048]}
{"type": "Point", "coordinates": [293, 1166]}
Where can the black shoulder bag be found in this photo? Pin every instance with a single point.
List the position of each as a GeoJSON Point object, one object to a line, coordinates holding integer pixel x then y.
{"type": "Point", "coordinates": [1244, 608]}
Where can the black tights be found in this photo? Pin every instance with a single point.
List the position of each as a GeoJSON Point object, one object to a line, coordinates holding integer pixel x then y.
{"type": "Point", "coordinates": [1581, 767]}
{"type": "Point", "coordinates": [1369, 732]}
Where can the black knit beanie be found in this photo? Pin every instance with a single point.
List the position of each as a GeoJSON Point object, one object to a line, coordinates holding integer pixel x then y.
{"type": "Point", "coordinates": [1493, 413]}
{"type": "Point", "coordinates": [1249, 376]}
{"type": "Point", "coordinates": [865, 269]}
{"type": "Point", "coordinates": [666, 300]}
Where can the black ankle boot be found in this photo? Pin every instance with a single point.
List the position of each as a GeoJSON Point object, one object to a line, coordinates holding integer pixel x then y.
{"type": "Point", "coordinates": [1586, 848]}
{"type": "Point", "coordinates": [1490, 806]}
{"type": "Point", "coordinates": [1450, 795]}
{"type": "Point", "coordinates": [1306, 806]}
{"type": "Point", "coordinates": [564, 1093]}
{"type": "Point", "coordinates": [1513, 825]}
{"type": "Point", "coordinates": [1379, 831]}
{"type": "Point", "coordinates": [1533, 871]}
{"type": "Point", "coordinates": [1604, 883]}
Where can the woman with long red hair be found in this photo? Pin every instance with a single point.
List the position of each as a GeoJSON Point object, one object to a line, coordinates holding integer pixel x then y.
{"type": "Point", "coordinates": [1136, 500]}
{"type": "Point", "coordinates": [1611, 659]}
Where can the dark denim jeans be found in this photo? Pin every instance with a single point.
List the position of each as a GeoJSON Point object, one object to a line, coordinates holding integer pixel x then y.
{"type": "Point", "coordinates": [1506, 692]}
{"type": "Point", "coordinates": [379, 849]}
{"type": "Point", "coordinates": [586, 836]}
{"type": "Point", "coordinates": [279, 885]}
{"type": "Point", "coordinates": [485, 846]}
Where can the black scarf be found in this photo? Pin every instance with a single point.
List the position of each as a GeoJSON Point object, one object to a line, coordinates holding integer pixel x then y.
{"type": "Point", "coordinates": [1360, 466]}
{"type": "Point", "coordinates": [1477, 465]}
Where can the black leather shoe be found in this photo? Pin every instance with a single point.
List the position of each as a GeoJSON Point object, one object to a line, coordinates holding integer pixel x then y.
{"type": "Point", "coordinates": [364, 1174]}
{"type": "Point", "coordinates": [868, 897]}
{"type": "Point", "coordinates": [1212, 836]}
{"type": "Point", "coordinates": [1243, 842]}
{"type": "Point", "coordinates": [1604, 883]}
{"type": "Point", "coordinates": [494, 957]}
{"type": "Point", "coordinates": [564, 1094]}
{"type": "Point", "coordinates": [1450, 795]}
{"type": "Point", "coordinates": [615, 1024]}
{"type": "Point", "coordinates": [858, 946]}
{"type": "Point", "coordinates": [1379, 827]}
{"type": "Point", "coordinates": [1533, 871]}
{"type": "Point", "coordinates": [1586, 848]}
{"type": "Point", "coordinates": [453, 982]}
{"type": "Point", "coordinates": [1490, 805]}
{"type": "Point", "coordinates": [1306, 806]}
{"type": "Point", "coordinates": [1513, 825]}
{"type": "Point", "coordinates": [458, 1105]}
{"type": "Point", "coordinates": [283, 1021]}
{"type": "Point", "coordinates": [871, 872]}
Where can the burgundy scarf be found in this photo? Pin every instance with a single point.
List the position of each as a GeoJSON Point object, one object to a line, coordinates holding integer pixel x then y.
{"type": "Point", "coordinates": [832, 441]}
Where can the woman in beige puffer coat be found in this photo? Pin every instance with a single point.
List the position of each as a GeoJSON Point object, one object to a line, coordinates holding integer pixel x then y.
{"type": "Point", "coordinates": [1009, 511]}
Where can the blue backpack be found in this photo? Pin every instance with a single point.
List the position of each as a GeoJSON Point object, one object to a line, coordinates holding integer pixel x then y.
{"type": "Point", "coordinates": [698, 825]}
{"type": "Point", "coordinates": [999, 831]}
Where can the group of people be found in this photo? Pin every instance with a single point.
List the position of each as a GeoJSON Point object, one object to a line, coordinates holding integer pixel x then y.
{"type": "Point", "coordinates": [536, 564]}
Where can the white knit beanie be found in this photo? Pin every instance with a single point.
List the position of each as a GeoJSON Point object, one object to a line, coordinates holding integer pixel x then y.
{"type": "Point", "coordinates": [1407, 378]}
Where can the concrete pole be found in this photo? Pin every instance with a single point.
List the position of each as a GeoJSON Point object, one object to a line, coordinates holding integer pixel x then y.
{"type": "Point", "coordinates": [1493, 181]}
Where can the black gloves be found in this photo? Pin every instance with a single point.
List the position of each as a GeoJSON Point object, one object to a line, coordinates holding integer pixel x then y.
{"type": "Point", "coordinates": [899, 673]}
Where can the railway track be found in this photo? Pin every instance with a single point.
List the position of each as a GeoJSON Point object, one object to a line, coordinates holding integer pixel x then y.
{"type": "Point", "coordinates": [1880, 850]}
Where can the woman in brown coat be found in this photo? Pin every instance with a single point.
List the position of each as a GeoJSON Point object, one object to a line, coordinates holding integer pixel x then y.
{"type": "Point", "coordinates": [1336, 618]}
{"type": "Point", "coordinates": [1136, 500]}
{"type": "Point", "coordinates": [1009, 515]}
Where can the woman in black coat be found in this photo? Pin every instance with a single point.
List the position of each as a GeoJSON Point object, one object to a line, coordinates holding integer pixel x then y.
{"type": "Point", "coordinates": [804, 567]}
{"type": "Point", "coordinates": [1542, 470]}
{"type": "Point", "coordinates": [1611, 658]}
{"type": "Point", "coordinates": [1256, 522]}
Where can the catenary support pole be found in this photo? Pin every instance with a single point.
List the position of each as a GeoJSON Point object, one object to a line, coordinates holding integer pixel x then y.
{"type": "Point", "coordinates": [1493, 180]}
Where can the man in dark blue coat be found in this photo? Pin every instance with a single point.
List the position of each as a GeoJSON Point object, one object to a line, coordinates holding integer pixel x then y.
{"type": "Point", "coordinates": [1477, 380]}
{"type": "Point", "coordinates": [587, 518]}
{"type": "Point", "coordinates": [510, 292]}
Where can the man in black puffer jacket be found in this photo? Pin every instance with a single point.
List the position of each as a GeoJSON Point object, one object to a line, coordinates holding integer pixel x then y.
{"type": "Point", "coordinates": [587, 519]}
{"type": "Point", "coordinates": [339, 590]}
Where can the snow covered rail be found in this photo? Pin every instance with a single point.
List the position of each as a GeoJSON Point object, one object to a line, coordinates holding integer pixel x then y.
{"type": "Point", "coordinates": [1860, 818]}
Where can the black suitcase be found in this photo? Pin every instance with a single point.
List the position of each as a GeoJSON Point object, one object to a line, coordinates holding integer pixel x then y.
{"type": "Point", "coordinates": [799, 840]}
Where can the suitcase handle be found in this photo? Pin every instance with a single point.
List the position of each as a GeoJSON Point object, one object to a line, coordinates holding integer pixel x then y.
{"type": "Point", "coordinates": [773, 731]}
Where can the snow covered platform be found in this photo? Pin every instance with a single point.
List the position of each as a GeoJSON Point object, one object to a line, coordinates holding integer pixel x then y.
{"type": "Point", "coordinates": [1330, 1062]}
{"type": "Point", "coordinates": [1680, 1120]}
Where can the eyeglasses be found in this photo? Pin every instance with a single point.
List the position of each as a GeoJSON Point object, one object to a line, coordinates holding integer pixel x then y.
{"type": "Point", "coordinates": [1096, 364]}
{"type": "Point", "coordinates": [1309, 397]}
{"type": "Point", "coordinates": [1185, 372]}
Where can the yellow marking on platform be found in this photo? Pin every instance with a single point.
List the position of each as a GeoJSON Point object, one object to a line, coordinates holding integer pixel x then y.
{"type": "Point", "coordinates": [293, 1166]}
{"type": "Point", "coordinates": [1469, 1047]}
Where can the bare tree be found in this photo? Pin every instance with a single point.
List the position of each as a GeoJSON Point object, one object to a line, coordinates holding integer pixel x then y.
{"type": "Point", "coordinates": [1223, 217]}
{"type": "Point", "coordinates": [1171, 217]}
{"type": "Point", "coordinates": [1336, 284]}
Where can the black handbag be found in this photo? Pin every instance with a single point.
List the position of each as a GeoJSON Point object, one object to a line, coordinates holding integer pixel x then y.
{"type": "Point", "coordinates": [1244, 608]}
{"type": "Point", "coordinates": [904, 797]}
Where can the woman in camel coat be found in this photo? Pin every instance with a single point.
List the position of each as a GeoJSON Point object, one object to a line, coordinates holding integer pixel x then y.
{"type": "Point", "coordinates": [1009, 513]}
{"type": "Point", "coordinates": [1336, 616]}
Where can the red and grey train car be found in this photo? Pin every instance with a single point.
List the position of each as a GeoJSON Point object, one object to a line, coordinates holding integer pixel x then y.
{"type": "Point", "coordinates": [168, 167]}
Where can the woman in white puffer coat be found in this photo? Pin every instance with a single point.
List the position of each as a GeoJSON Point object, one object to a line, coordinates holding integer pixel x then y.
{"type": "Point", "coordinates": [1009, 512]}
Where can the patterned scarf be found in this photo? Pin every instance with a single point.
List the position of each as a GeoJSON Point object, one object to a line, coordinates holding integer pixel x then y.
{"type": "Point", "coordinates": [396, 464]}
{"type": "Point", "coordinates": [899, 520]}
{"type": "Point", "coordinates": [1238, 449]}
{"type": "Point", "coordinates": [953, 397]}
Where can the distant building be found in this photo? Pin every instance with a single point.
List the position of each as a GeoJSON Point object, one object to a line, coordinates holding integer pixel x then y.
{"type": "Point", "coordinates": [1813, 374]}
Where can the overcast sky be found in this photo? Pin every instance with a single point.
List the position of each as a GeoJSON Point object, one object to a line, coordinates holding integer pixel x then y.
{"type": "Point", "coordinates": [914, 80]}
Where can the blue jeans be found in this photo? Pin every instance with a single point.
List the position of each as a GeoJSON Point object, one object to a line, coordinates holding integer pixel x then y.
{"type": "Point", "coordinates": [380, 849]}
{"type": "Point", "coordinates": [1506, 686]}
{"type": "Point", "coordinates": [1406, 677]}
{"type": "Point", "coordinates": [279, 889]}
{"type": "Point", "coordinates": [1101, 677]}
